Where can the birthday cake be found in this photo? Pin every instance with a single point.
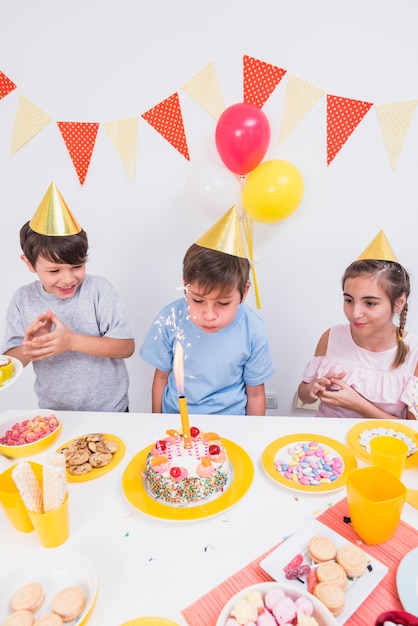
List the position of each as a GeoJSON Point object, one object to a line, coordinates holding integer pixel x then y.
{"type": "Point", "coordinates": [181, 471]}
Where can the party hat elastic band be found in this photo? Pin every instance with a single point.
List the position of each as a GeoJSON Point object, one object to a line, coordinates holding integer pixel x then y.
{"type": "Point", "coordinates": [225, 235]}
{"type": "Point", "coordinates": [53, 217]}
{"type": "Point", "coordinates": [379, 249]}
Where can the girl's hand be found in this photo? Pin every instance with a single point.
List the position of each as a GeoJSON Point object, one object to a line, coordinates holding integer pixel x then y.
{"type": "Point", "coordinates": [340, 394]}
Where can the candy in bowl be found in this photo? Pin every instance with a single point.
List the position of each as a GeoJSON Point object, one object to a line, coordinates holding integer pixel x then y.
{"type": "Point", "coordinates": [259, 603]}
{"type": "Point", "coordinates": [24, 433]}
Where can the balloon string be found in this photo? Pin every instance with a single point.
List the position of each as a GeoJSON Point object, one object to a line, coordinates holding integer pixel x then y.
{"type": "Point", "coordinates": [248, 231]}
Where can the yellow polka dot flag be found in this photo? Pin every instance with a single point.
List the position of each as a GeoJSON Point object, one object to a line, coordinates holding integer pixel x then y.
{"type": "Point", "coordinates": [29, 120]}
{"type": "Point", "coordinates": [394, 120]}
{"type": "Point", "coordinates": [260, 80]}
{"type": "Point", "coordinates": [301, 97]}
{"type": "Point", "coordinates": [79, 137]}
{"type": "Point", "coordinates": [6, 85]}
{"type": "Point", "coordinates": [123, 136]}
{"type": "Point", "coordinates": [204, 89]}
{"type": "Point", "coordinates": [343, 117]}
{"type": "Point", "coordinates": [167, 119]}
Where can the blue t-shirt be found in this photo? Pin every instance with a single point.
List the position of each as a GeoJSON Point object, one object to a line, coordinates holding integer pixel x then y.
{"type": "Point", "coordinates": [217, 366]}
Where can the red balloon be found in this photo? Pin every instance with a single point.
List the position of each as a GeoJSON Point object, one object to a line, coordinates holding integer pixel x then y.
{"type": "Point", "coordinates": [242, 137]}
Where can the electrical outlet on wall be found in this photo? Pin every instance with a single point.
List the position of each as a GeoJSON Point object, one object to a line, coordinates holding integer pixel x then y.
{"type": "Point", "coordinates": [272, 400]}
{"type": "Point", "coordinates": [307, 407]}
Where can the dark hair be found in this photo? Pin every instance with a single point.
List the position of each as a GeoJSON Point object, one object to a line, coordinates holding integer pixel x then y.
{"type": "Point", "coordinates": [394, 280]}
{"type": "Point", "coordinates": [70, 249]}
{"type": "Point", "coordinates": [211, 270]}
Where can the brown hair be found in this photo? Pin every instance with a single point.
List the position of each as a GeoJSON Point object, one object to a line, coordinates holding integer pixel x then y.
{"type": "Point", "coordinates": [211, 270]}
{"type": "Point", "coordinates": [70, 249]}
{"type": "Point", "coordinates": [394, 280]}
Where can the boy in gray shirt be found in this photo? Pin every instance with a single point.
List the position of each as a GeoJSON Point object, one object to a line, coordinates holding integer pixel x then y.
{"type": "Point", "coordinates": [71, 326]}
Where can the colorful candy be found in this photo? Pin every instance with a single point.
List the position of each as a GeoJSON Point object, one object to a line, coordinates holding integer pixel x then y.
{"type": "Point", "coordinates": [310, 463]}
{"type": "Point", "coordinates": [30, 430]}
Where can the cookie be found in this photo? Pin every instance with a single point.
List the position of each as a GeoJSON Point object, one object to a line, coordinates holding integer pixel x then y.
{"type": "Point", "coordinates": [321, 548]}
{"type": "Point", "coordinates": [79, 457]}
{"type": "Point", "coordinates": [94, 437]}
{"type": "Point", "coordinates": [332, 572]}
{"type": "Point", "coordinates": [353, 559]}
{"type": "Point", "coordinates": [332, 596]}
{"type": "Point", "coordinates": [107, 447]}
{"type": "Point", "coordinates": [68, 603]}
{"type": "Point", "coordinates": [20, 618]}
{"type": "Point", "coordinates": [100, 459]}
{"type": "Point", "coordinates": [79, 470]}
{"type": "Point", "coordinates": [51, 619]}
{"type": "Point", "coordinates": [29, 598]}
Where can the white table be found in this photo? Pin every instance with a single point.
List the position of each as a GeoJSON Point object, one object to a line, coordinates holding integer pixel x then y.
{"type": "Point", "coordinates": [154, 567]}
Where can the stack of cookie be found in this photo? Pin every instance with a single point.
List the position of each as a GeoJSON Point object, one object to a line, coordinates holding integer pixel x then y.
{"type": "Point", "coordinates": [85, 453]}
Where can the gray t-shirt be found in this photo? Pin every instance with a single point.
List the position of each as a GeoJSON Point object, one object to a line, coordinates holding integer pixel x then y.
{"type": "Point", "coordinates": [73, 381]}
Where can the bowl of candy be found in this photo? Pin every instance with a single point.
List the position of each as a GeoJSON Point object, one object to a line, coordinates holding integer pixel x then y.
{"type": "Point", "coordinates": [23, 433]}
{"type": "Point", "coordinates": [268, 604]}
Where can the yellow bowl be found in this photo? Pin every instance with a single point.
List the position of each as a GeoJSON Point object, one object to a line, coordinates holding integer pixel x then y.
{"type": "Point", "coordinates": [9, 418]}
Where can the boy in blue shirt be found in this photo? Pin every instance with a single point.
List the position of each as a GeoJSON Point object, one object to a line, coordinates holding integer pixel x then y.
{"type": "Point", "coordinates": [227, 358]}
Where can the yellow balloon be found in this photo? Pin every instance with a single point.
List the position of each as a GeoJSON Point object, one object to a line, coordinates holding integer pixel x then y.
{"type": "Point", "coordinates": [272, 191]}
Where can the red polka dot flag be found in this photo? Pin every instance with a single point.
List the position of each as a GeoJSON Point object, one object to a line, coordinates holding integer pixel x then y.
{"type": "Point", "coordinates": [79, 138]}
{"type": "Point", "coordinates": [6, 85]}
{"type": "Point", "coordinates": [260, 80]}
{"type": "Point", "coordinates": [167, 119]}
{"type": "Point", "coordinates": [343, 117]}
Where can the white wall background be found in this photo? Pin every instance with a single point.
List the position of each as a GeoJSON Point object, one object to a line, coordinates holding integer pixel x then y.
{"type": "Point", "coordinates": [101, 61]}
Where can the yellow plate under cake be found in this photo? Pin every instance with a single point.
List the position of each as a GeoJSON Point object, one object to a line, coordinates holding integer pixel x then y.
{"type": "Point", "coordinates": [96, 472]}
{"type": "Point", "coordinates": [135, 492]}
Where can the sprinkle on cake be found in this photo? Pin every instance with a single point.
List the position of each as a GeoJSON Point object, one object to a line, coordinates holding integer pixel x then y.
{"type": "Point", "coordinates": [181, 471]}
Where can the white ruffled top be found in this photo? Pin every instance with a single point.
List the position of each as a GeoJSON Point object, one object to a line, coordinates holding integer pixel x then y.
{"type": "Point", "coordinates": [369, 373]}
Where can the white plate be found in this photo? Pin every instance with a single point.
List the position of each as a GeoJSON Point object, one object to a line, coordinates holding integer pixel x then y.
{"type": "Point", "coordinates": [357, 591]}
{"type": "Point", "coordinates": [321, 613]}
{"type": "Point", "coordinates": [17, 370]}
{"type": "Point", "coordinates": [55, 570]}
{"type": "Point", "coordinates": [407, 581]}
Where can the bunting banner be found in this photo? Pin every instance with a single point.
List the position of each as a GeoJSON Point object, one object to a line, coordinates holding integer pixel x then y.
{"type": "Point", "coordinates": [300, 98]}
{"type": "Point", "coordinates": [29, 120]}
{"type": "Point", "coordinates": [167, 119]}
{"type": "Point", "coordinates": [343, 117]}
{"type": "Point", "coordinates": [394, 120]}
{"type": "Point", "coordinates": [260, 80]}
{"type": "Point", "coordinates": [79, 137]}
{"type": "Point", "coordinates": [6, 85]}
{"type": "Point", "coordinates": [123, 136]}
{"type": "Point", "coordinates": [204, 89]}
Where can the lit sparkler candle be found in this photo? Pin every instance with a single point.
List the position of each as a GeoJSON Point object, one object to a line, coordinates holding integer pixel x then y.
{"type": "Point", "coordinates": [178, 370]}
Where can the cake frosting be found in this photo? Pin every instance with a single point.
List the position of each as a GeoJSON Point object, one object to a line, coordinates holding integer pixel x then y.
{"type": "Point", "coordinates": [181, 471]}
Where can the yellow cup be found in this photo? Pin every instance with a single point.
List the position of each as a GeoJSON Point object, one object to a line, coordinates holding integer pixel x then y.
{"type": "Point", "coordinates": [389, 452]}
{"type": "Point", "coordinates": [375, 499]}
{"type": "Point", "coordinates": [11, 502]}
{"type": "Point", "coordinates": [53, 528]}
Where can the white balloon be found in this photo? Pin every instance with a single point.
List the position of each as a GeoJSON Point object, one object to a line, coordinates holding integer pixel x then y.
{"type": "Point", "coordinates": [213, 188]}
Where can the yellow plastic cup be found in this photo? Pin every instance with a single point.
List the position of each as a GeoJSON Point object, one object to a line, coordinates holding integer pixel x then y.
{"type": "Point", "coordinates": [389, 452]}
{"type": "Point", "coordinates": [375, 499]}
{"type": "Point", "coordinates": [53, 528]}
{"type": "Point", "coordinates": [11, 502]}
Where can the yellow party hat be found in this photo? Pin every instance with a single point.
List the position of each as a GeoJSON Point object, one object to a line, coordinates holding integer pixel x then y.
{"type": "Point", "coordinates": [225, 235]}
{"type": "Point", "coordinates": [53, 217]}
{"type": "Point", "coordinates": [379, 249]}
